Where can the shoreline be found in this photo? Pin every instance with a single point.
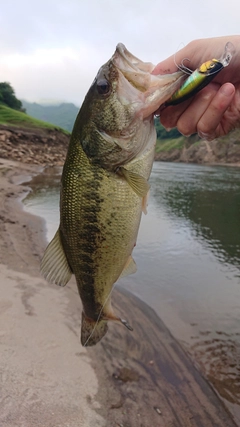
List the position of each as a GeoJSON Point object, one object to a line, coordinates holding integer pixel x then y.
{"type": "Point", "coordinates": [38, 146]}
{"type": "Point", "coordinates": [143, 378]}
{"type": "Point", "coordinates": [224, 151]}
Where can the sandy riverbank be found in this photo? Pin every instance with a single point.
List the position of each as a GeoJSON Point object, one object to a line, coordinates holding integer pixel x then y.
{"type": "Point", "coordinates": [138, 379]}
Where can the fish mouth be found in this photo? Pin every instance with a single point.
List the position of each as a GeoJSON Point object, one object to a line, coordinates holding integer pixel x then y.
{"type": "Point", "coordinates": [137, 72]}
{"type": "Point", "coordinates": [153, 90]}
{"type": "Point", "coordinates": [128, 59]}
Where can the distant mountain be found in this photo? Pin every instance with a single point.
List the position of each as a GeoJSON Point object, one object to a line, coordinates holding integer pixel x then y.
{"type": "Point", "coordinates": [18, 119]}
{"type": "Point", "coordinates": [62, 115]}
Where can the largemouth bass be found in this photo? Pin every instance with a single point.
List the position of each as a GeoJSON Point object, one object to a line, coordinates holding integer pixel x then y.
{"type": "Point", "coordinates": [104, 185]}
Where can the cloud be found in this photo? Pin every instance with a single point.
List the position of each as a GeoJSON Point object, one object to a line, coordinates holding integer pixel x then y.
{"type": "Point", "coordinates": [56, 73]}
{"type": "Point", "coordinates": [53, 49]}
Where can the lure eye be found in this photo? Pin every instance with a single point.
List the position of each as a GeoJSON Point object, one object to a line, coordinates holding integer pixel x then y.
{"type": "Point", "coordinates": [103, 87]}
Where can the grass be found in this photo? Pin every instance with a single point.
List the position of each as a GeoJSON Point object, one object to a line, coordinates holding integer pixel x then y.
{"type": "Point", "coordinates": [8, 116]}
{"type": "Point", "coordinates": [233, 136]}
{"type": "Point", "coordinates": [170, 144]}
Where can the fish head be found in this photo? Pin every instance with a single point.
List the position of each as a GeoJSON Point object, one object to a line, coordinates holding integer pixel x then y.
{"type": "Point", "coordinates": [119, 108]}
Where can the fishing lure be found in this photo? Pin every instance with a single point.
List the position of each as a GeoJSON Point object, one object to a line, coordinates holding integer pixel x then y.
{"type": "Point", "coordinates": [201, 77]}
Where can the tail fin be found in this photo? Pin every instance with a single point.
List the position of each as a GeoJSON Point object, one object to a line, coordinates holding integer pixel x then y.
{"type": "Point", "coordinates": [92, 331]}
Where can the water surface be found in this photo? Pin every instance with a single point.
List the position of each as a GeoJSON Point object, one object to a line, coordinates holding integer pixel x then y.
{"type": "Point", "coordinates": [188, 257]}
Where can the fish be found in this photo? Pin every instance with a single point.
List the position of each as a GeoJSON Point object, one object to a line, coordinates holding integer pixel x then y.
{"type": "Point", "coordinates": [104, 185]}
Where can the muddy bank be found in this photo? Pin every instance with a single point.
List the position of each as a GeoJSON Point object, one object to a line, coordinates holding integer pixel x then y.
{"type": "Point", "coordinates": [34, 146]}
{"type": "Point", "coordinates": [222, 151]}
{"type": "Point", "coordinates": [49, 147]}
{"type": "Point", "coordinates": [143, 378]}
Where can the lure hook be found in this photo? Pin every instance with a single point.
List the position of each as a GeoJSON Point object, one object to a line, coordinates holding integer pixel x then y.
{"type": "Point", "coordinates": [201, 77]}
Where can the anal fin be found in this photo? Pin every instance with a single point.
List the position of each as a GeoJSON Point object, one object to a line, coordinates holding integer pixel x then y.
{"type": "Point", "coordinates": [129, 268]}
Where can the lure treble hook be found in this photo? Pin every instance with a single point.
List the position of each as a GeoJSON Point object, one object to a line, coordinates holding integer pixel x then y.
{"type": "Point", "coordinates": [201, 77]}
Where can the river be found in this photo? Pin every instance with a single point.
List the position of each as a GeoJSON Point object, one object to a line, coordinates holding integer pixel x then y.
{"type": "Point", "coordinates": [188, 257]}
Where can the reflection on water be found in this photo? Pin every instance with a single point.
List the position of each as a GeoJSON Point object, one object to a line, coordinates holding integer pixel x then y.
{"type": "Point", "coordinates": [44, 199]}
{"type": "Point", "coordinates": [188, 257]}
{"type": "Point", "coordinates": [210, 198]}
{"type": "Point", "coordinates": [218, 355]}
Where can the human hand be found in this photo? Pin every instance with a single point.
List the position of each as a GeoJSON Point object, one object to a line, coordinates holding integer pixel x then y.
{"type": "Point", "coordinates": [215, 110]}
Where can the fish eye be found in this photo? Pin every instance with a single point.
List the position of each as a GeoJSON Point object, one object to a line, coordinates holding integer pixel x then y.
{"type": "Point", "coordinates": [103, 87]}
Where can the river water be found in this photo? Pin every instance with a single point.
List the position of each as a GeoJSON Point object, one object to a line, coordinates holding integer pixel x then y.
{"type": "Point", "coordinates": [188, 257]}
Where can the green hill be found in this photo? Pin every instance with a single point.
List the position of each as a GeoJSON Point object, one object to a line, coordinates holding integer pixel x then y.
{"type": "Point", "coordinates": [168, 140]}
{"type": "Point", "coordinates": [63, 115]}
{"type": "Point", "coordinates": [8, 116]}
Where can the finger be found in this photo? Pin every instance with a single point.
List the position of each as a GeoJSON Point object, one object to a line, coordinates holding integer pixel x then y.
{"type": "Point", "coordinates": [188, 121]}
{"type": "Point", "coordinates": [170, 115]}
{"type": "Point", "coordinates": [165, 67]}
{"type": "Point", "coordinates": [185, 116]}
{"type": "Point", "coordinates": [211, 118]}
{"type": "Point", "coordinates": [195, 52]}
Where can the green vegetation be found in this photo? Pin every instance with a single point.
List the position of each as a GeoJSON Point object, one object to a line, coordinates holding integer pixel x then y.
{"type": "Point", "coordinates": [12, 111]}
{"type": "Point", "coordinates": [7, 97]}
{"type": "Point", "coordinates": [167, 141]}
{"type": "Point", "coordinates": [63, 115]}
{"type": "Point", "coordinates": [9, 116]}
{"type": "Point", "coordinates": [233, 136]}
{"type": "Point", "coordinates": [170, 144]}
{"type": "Point", "coordinates": [163, 134]}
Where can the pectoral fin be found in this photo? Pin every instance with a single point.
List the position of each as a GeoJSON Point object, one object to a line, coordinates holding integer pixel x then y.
{"type": "Point", "coordinates": [54, 265]}
{"type": "Point", "coordinates": [138, 183]}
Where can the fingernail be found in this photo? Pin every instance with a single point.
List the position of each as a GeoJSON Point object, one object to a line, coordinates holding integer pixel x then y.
{"type": "Point", "coordinates": [206, 136]}
{"type": "Point", "coordinates": [203, 135]}
{"type": "Point", "coordinates": [227, 89]}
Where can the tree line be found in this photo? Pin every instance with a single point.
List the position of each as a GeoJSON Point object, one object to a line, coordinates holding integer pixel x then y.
{"type": "Point", "coordinates": [8, 97]}
{"type": "Point", "coordinates": [163, 134]}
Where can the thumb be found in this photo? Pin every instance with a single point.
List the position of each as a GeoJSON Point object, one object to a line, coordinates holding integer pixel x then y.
{"type": "Point", "coordinates": [165, 67]}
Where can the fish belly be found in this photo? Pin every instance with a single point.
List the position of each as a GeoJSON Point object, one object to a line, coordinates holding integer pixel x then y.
{"type": "Point", "coordinates": [100, 217]}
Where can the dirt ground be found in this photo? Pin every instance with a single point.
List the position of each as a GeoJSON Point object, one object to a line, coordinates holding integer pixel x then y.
{"type": "Point", "coordinates": [47, 379]}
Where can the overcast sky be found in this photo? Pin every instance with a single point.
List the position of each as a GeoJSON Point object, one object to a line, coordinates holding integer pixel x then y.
{"type": "Point", "coordinates": [52, 49]}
